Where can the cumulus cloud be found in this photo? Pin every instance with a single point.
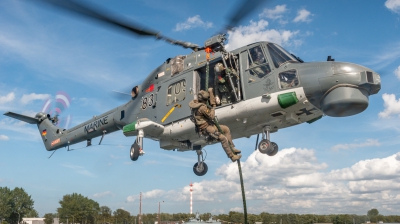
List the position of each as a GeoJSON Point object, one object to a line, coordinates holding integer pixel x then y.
{"type": "Point", "coordinates": [368, 143]}
{"type": "Point", "coordinates": [397, 72]}
{"type": "Point", "coordinates": [257, 31]}
{"type": "Point", "coordinates": [27, 98]}
{"type": "Point", "coordinates": [393, 5]}
{"type": "Point", "coordinates": [103, 194]}
{"type": "Point", "coordinates": [193, 22]}
{"type": "Point", "coordinates": [294, 179]}
{"type": "Point", "coordinates": [7, 98]}
{"type": "Point", "coordinates": [4, 138]}
{"type": "Point", "coordinates": [373, 169]}
{"type": "Point", "coordinates": [303, 15]}
{"type": "Point", "coordinates": [275, 13]}
{"type": "Point", "coordinates": [391, 104]}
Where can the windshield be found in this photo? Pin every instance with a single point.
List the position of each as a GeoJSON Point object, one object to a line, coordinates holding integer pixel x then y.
{"type": "Point", "coordinates": [279, 55]}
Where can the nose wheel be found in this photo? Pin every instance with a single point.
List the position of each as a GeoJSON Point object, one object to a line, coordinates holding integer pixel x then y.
{"type": "Point", "coordinates": [134, 154]}
{"type": "Point", "coordinates": [266, 146]}
{"type": "Point", "coordinates": [200, 168]}
{"type": "Point", "coordinates": [137, 147]}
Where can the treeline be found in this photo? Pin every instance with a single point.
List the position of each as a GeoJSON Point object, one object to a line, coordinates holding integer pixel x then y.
{"type": "Point", "coordinates": [76, 208]}
{"type": "Point", "coordinates": [122, 217]}
{"type": "Point", "coordinates": [266, 218]}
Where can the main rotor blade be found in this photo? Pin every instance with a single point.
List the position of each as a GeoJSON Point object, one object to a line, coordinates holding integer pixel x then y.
{"type": "Point", "coordinates": [242, 11]}
{"type": "Point", "coordinates": [101, 15]}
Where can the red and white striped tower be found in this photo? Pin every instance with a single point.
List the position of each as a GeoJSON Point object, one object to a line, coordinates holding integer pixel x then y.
{"type": "Point", "coordinates": [191, 198]}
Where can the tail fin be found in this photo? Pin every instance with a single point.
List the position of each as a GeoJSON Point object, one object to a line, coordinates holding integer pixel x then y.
{"type": "Point", "coordinates": [48, 131]}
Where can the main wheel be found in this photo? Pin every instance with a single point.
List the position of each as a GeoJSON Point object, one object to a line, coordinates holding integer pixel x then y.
{"type": "Point", "coordinates": [264, 146]}
{"type": "Point", "coordinates": [134, 151]}
{"type": "Point", "coordinates": [201, 170]}
{"type": "Point", "coordinates": [274, 147]}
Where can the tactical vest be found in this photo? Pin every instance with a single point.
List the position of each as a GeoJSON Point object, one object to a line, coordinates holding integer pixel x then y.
{"type": "Point", "coordinates": [197, 119]}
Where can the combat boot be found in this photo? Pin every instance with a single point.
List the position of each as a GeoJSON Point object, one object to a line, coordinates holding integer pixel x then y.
{"type": "Point", "coordinates": [235, 157]}
{"type": "Point", "coordinates": [235, 150]}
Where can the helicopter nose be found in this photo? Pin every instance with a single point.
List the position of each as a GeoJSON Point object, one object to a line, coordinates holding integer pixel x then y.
{"type": "Point", "coordinates": [346, 88]}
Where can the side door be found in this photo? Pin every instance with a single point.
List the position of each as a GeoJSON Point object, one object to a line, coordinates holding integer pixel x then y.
{"type": "Point", "coordinates": [173, 98]}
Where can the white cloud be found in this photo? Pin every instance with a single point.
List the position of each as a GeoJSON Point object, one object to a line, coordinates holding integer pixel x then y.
{"type": "Point", "coordinates": [103, 194]}
{"type": "Point", "coordinates": [373, 169]}
{"type": "Point", "coordinates": [275, 13]}
{"type": "Point", "coordinates": [79, 169]}
{"type": "Point", "coordinates": [193, 22]}
{"type": "Point", "coordinates": [387, 56]}
{"type": "Point", "coordinates": [295, 180]}
{"type": "Point", "coordinates": [393, 5]}
{"type": "Point", "coordinates": [7, 98]}
{"type": "Point", "coordinates": [391, 104]}
{"type": "Point", "coordinates": [257, 31]}
{"type": "Point", "coordinates": [397, 72]}
{"type": "Point", "coordinates": [4, 138]}
{"type": "Point", "coordinates": [27, 132]}
{"type": "Point", "coordinates": [27, 98]}
{"type": "Point", "coordinates": [368, 143]}
{"type": "Point", "coordinates": [303, 15]}
{"type": "Point", "coordinates": [146, 195]}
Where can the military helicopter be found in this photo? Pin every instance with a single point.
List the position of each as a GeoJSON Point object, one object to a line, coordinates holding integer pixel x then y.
{"type": "Point", "coordinates": [266, 88]}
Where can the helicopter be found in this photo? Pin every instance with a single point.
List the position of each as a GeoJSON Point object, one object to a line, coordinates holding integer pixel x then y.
{"type": "Point", "coordinates": [267, 88]}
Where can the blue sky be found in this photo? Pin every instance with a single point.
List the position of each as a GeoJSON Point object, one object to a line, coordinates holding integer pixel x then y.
{"type": "Point", "coordinates": [335, 165]}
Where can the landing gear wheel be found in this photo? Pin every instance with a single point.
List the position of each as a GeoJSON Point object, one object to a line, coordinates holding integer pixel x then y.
{"type": "Point", "coordinates": [201, 170]}
{"type": "Point", "coordinates": [134, 151]}
{"type": "Point", "coordinates": [264, 146]}
{"type": "Point", "coordinates": [274, 150]}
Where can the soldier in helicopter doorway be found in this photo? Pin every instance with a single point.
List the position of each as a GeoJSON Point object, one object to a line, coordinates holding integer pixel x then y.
{"type": "Point", "coordinates": [203, 117]}
{"type": "Point", "coordinates": [223, 84]}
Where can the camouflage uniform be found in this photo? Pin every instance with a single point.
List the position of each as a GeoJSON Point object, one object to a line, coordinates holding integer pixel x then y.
{"type": "Point", "coordinates": [222, 84]}
{"type": "Point", "coordinates": [204, 121]}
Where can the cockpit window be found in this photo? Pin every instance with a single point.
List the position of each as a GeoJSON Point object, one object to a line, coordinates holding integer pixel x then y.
{"type": "Point", "coordinates": [279, 55]}
{"type": "Point", "coordinates": [288, 79]}
{"type": "Point", "coordinates": [258, 65]}
{"type": "Point", "coordinates": [134, 92]}
{"type": "Point", "coordinates": [176, 92]}
{"type": "Point", "coordinates": [257, 56]}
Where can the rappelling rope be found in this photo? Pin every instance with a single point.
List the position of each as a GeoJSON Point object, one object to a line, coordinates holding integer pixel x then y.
{"type": "Point", "coordinates": [230, 146]}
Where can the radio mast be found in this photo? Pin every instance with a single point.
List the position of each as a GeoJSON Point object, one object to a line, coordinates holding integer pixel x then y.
{"type": "Point", "coordinates": [140, 209]}
{"type": "Point", "coordinates": [191, 197]}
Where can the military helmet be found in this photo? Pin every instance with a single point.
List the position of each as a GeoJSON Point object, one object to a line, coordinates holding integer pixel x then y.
{"type": "Point", "coordinates": [203, 95]}
{"type": "Point", "coordinates": [219, 67]}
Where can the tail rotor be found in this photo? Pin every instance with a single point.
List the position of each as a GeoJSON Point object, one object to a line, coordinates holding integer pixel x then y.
{"type": "Point", "coordinates": [55, 109]}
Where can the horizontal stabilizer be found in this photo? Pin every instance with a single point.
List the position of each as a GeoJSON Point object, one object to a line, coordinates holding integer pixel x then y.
{"type": "Point", "coordinates": [21, 117]}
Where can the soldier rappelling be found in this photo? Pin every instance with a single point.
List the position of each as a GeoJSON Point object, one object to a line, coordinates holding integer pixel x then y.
{"type": "Point", "coordinates": [204, 119]}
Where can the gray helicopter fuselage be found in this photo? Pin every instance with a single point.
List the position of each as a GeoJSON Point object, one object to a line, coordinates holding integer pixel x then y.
{"type": "Point", "coordinates": [261, 95]}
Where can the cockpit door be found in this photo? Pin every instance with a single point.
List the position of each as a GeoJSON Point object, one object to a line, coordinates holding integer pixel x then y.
{"type": "Point", "coordinates": [258, 72]}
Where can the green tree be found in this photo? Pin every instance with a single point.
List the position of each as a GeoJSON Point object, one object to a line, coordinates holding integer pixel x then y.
{"type": "Point", "coordinates": [22, 204]}
{"type": "Point", "coordinates": [372, 214]}
{"type": "Point", "coordinates": [236, 217]}
{"type": "Point", "coordinates": [205, 216]}
{"type": "Point", "coordinates": [5, 203]}
{"type": "Point", "coordinates": [48, 218]}
{"type": "Point", "coordinates": [121, 216]}
{"type": "Point", "coordinates": [105, 215]}
{"type": "Point", "coordinates": [32, 214]}
{"type": "Point", "coordinates": [78, 208]}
